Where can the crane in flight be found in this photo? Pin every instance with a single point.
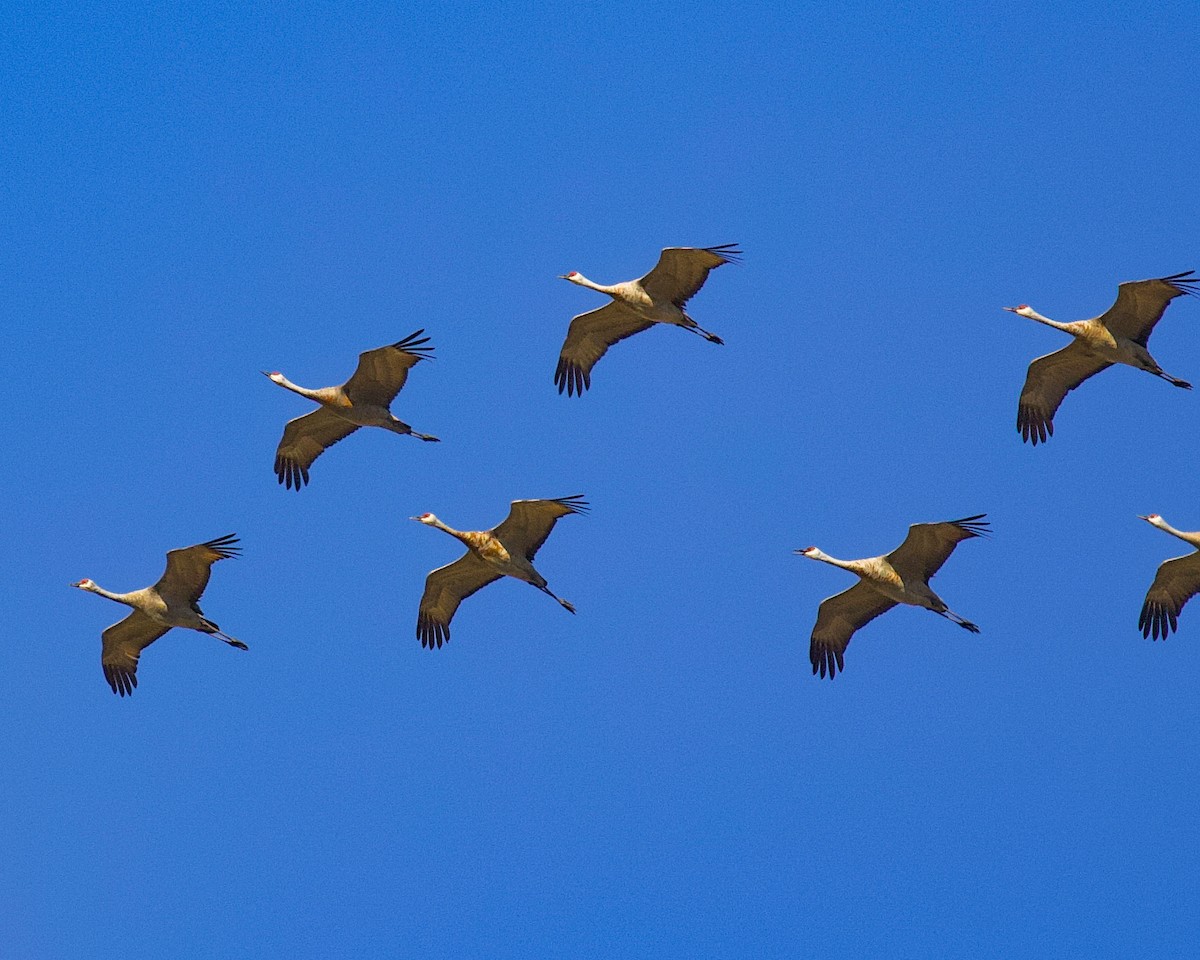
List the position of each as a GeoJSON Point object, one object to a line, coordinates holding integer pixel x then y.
{"type": "Point", "coordinates": [1119, 335]}
{"type": "Point", "coordinates": [658, 297]}
{"type": "Point", "coordinates": [362, 401]}
{"type": "Point", "coordinates": [1177, 581]}
{"type": "Point", "coordinates": [172, 602]}
{"type": "Point", "coordinates": [506, 550]}
{"type": "Point", "coordinates": [901, 576]}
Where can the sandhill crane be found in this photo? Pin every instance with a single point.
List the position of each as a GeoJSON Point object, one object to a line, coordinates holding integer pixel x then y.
{"type": "Point", "coordinates": [658, 297]}
{"type": "Point", "coordinates": [901, 576]}
{"type": "Point", "coordinates": [362, 401]}
{"type": "Point", "coordinates": [1177, 581]}
{"type": "Point", "coordinates": [172, 602]}
{"type": "Point", "coordinates": [506, 550]}
{"type": "Point", "coordinates": [1119, 335]}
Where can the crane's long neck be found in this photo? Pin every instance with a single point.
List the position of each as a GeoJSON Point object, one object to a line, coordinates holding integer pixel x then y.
{"type": "Point", "coordinates": [109, 595]}
{"type": "Point", "coordinates": [296, 388]}
{"type": "Point", "coordinates": [456, 534]}
{"type": "Point", "coordinates": [1065, 327]}
{"type": "Point", "coordinates": [854, 566]}
{"type": "Point", "coordinates": [583, 281]}
{"type": "Point", "coordinates": [1192, 538]}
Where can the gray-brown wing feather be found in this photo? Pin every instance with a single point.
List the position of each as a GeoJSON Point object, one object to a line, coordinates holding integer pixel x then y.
{"type": "Point", "coordinates": [681, 271]}
{"type": "Point", "coordinates": [1140, 304]}
{"type": "Point", "coordinates": [588, 339]}
{"type": "Point", "coordinates": [381, 372]}
{"type": "Point", "coordinates": [1049, 380]}
{"type": "Point", "coordinates": [123, 643]}
{"type": "Point", "coordinates": [838, 618]}
{"type": "Point", "coordinates": [305, 439]}
{"type": "Point", "coordinates": [529, 522]}
{"type": "Point", "coordinates": [1177, 581]}
{"type": "Point", "coordinates": [189, 568]}
{"type": "Point", "coordinates": [929, 545]}
{"type": "Point", "coordinates": [445, 588]}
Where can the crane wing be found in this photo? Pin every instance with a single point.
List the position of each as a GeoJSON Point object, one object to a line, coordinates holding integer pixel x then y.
{"type": "Point", "coordinates": [588, 339]}
{"type": "Point", "coordinates": [123, 643]}
{"type": "Point", "coordinates": [381, 373]}
{"type": "Point", "coordinates": [529, 522]}
{"type": "Point", "coordinates": [305, 439]}
{"type": "Point", "coordinates": [189, 568]}
{"type": "Point", "coordinates": [445, 588]}
{"type": "Point", "coordinates": [929, 545]}
{"type": "Point", "coordinates": [681, 271]}
{"type": "Point", "coordinates": [838, 618]}
{"type": "Point", "coordinates": [1049, 380]}
{"type": "Point", "coordinates": [1140, 304]}
{"type": "Point", "coordinates": [1176, 582]}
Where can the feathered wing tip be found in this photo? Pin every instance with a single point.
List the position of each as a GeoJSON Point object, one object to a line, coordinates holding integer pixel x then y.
{"type": "Point", "coordinates": [728, 252]}
{"type": "Point", "coordinates": [976, 526]}
{"type": "Point", "coordinates": [224, 546]}
{"type": "Point", "coordinates": [574, 503]}
{"type": "Point", "coordinates": [291, 474]}
{"type": "Point", "coordinates": [432, 633]}
{"type": "Point", "coordinates": [571, 377]}
{"type": "Point", "coordinates": [1158, 619]}
{"type": "Point", "coordinates": [1184, 282]}
{"type": "Point", "coordinates": [419, 348]}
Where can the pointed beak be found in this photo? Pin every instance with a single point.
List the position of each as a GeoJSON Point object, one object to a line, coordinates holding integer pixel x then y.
{"type": "Point", "coordinates": [1140, 517]}
{"type": "Point", "coordinates": [1011, 309]}
{"type": "Point", "coordinates": [562, 276]}
{"type": "Point", "coordinates": [75, 584]}
{"type": "Point", "coordinates": [418, 519]}
{"type": "Point", "coordinates": [266, 374]}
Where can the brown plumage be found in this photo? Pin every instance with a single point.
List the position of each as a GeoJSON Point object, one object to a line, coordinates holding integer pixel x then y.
{"type": "Point", "coordinates": [362, 401]}
{"type": "Point", "coordinates": [901, 576]}
{"type": "Point", "coordinates": [506, 550]}
{"type": "Point", "coordinates": [172, 602]}
{"type": "Point", "coordinates": [1175, 583]}
{"type": "Point", "coordinates": [1119, 335]}
{"type": "Point", "coordinates": [658, 297]}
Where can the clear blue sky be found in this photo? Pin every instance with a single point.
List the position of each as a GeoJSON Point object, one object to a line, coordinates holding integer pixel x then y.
{"type": "Point", "coordinates": [194, 193]}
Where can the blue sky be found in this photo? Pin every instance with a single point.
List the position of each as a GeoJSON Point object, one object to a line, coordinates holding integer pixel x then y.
{"type": "Point", "coordinates": [194, 193]}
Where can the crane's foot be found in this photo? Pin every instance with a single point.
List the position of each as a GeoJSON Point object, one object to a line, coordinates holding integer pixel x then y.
{"type": "Point", "coordinates": [428, 438]}
{"type": "Point", "coordinates": [1180, 383]}
{"type": "Point", "coordinates": [968, 625]}
{"type": "Point", "coordinates": [713, 338]}
{"type": "Point", "coordinates": [567, 604]}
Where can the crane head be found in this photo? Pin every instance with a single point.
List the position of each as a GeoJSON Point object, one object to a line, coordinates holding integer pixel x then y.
{"type": "Point", "coordinates": [807, 551]}
{"type": "Point", "coordinates": [273, 375]}
{"type": "Point", "coordinates": [426, 518]}
{"type": "Point", "coordinates": [1153, 518]}
{"type": "Point", "coordinates": [573, 276]}
{"type": "Point", "coordinates": [1023, 310]}
{"type": "Point", "coordinates": [84, 584]}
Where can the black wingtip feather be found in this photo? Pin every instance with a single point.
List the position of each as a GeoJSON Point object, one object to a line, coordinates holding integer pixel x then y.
{"type": "Point", "coordinates": [976, 526]}
{"type": "Point", "coordinates": [417, 347]}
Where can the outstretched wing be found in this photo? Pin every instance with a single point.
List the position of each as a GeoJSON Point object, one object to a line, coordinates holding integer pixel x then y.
{"type": "Point", "coordinates": [529, 522]}
{"type": "Point", "coordinates": [588, 339]}
{"type": "Point", "coordinates": [189, 568]}
{"type": "Point", "coordinates": [445, 588]}
{"type": "Point", "coordinates": [123, 643]}
{"type": "Point", "coordinates": [381, 373]}
{"type": "Point", "coordinates": [681, 271]}
{"type": "Point", "coordinates": [1176, 582]}
{"type": "Point", "coordinates": [1140, 304]}
{"type": "Point", "coordinates": [1049, 380]}
{"type": "Point", "coordinates": [929, 545]}
{"type": "Point", "coordinates": [305, 439]}
{"type": "Point", "coordinates": [838, 618]}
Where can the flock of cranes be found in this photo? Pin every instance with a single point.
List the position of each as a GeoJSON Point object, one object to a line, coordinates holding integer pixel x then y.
{"type": "Point", "coordinates": [1119, 335]}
